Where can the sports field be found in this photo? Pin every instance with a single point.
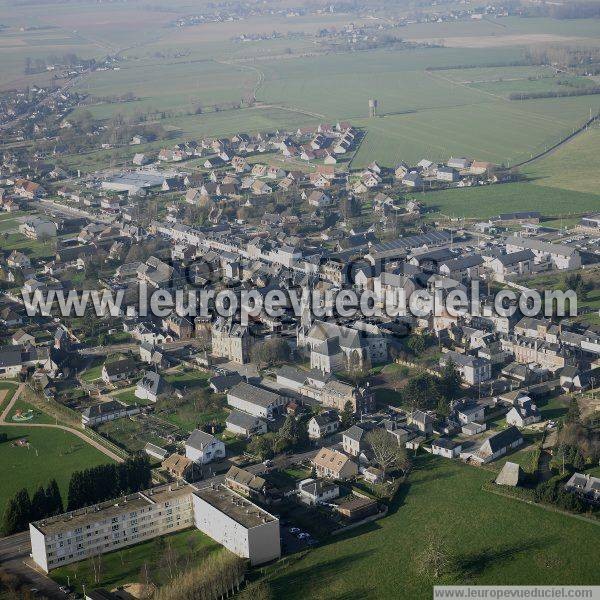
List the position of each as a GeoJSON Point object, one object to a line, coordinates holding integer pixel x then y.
{"type": "Point", "coordinates": [491, 539]}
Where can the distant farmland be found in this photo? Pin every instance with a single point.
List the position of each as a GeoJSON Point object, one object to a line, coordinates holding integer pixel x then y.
{"type": "Point", "coordinates": [488, 201]}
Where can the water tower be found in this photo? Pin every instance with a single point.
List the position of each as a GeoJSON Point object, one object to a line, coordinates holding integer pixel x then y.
{"type": "Point", "coordinates": [373, 108]}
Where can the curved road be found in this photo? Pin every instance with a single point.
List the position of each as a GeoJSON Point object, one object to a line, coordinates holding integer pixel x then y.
{"type": "Point", "coordinates": [76, 432]}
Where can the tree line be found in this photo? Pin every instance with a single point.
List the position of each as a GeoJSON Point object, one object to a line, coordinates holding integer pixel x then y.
{"type": "Point", "coordinates": [587, 91]}
{"type": "Point", "coordinates": [22, 508]}
{"type": "Point", "coordinates": [104, 482]}
{"type": "Point", "coordinates": [217, 577]}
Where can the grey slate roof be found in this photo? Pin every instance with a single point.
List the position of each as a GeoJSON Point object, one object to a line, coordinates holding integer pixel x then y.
{"type": "Point", "coordinates": [199, 439]}
{"type": "Point", "coordinates": [254, 394]}
{"type": "Point", "coordinates": [241, 419]}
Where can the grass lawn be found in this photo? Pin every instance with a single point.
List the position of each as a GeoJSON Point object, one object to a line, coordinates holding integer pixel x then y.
{"type": "Point", "coordinates": [53, 453]}
{"type": "Point", "coordinates": [92, 373]}
{"type": "Point", "coordinates": [128, 396]}
{"type": "Point", "coordinates": [188, 379]}
{"type": "Point", "coordinates": [556, 281]}
{"type": "Point", "coordinates": [32, 248]}
{"type": "Point", "coordinates": [387, 396]}
{"type": "Point", "coordinates": [124, 566]}
{"type": "Point", "coordinates": [495, 540]}
{"type": "Point", "coordinates": [554, 408]}
{"type": "Point", "coordinates": [188, 417]}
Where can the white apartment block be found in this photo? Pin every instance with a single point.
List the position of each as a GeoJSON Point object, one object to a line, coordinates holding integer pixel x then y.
{"type": "Point", "coordinates": [228, 518]}
{"type": "Point", "coordinates": [111, 525]}
{"type": "Point", "coordinates": [238, 524]}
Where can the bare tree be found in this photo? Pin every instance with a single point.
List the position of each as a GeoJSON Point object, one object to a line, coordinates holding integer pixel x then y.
{"type": "Point", "coordinates": [435, 560]}
{"type": "Point", "coordinates": [389, 454]}
{"type": "Point", "coordinates": [96, 562]}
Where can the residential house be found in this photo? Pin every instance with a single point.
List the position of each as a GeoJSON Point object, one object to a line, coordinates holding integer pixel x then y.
{"type": "Point", "coordinates": [496, 445]}
{"type": "Point", "coordinates": [245, 483]}
{"type": "Point", "coordinates": [37, 228]}
{"type": "Point", "coordinates": [107, 411]}
{"type": "Point", "coordinates": [317, 491]}
{"type": "Point", "coordinates": [332, 464]}
{"type": "Point", "coordinates": [472, 369]}
{"type": "Point", "coordinates": [523, 413]}
{"type": "Point", "coordinates": [180, 467]}
{"type": "Point", "coordinates": [446, 448]}
{"type": "Point", "coordinates": [324, 424]}
{"type": "Point", "coordinates": [202, 447]}
{"type": "Point", "coordinates": [585, 486]}
{"type": "Point", "coordinates": [230, 340]}
{"type": "Point", "coordinates": [119, 370]}
{"type": "Point", "coordinates": [152, 387]}
{"type": "Point", "coordinates": [241, 423]}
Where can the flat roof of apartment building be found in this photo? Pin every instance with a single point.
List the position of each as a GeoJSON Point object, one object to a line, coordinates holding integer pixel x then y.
{"type": "Point", "coordinates": [235, 506]}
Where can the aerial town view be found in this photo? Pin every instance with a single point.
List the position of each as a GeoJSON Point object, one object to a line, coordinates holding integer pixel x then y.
{"type": "Point", "coordinates": [299, 299]}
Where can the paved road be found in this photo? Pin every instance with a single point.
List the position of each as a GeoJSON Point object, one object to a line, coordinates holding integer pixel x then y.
{"type": "Point", "coordinates": [76, 432]}
{"type": "Point", "coordinates": [14, 558]}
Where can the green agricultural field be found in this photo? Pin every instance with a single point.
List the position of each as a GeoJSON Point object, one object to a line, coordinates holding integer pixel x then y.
{"type": "Point", "coordinates": [487, 128]}
{"type": "Point", "coordinates": [573, 166]}
{"type": "Point", "coordinates": [487, 201]}
{"type": "Point", "coordinates": [493, 539]}
{"type": "Point", "coordinates": [52, 453]}
{"type": "Point", "coordinates": [192, 83]}
{"type": "Point", "coordinates": [124, 566]}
